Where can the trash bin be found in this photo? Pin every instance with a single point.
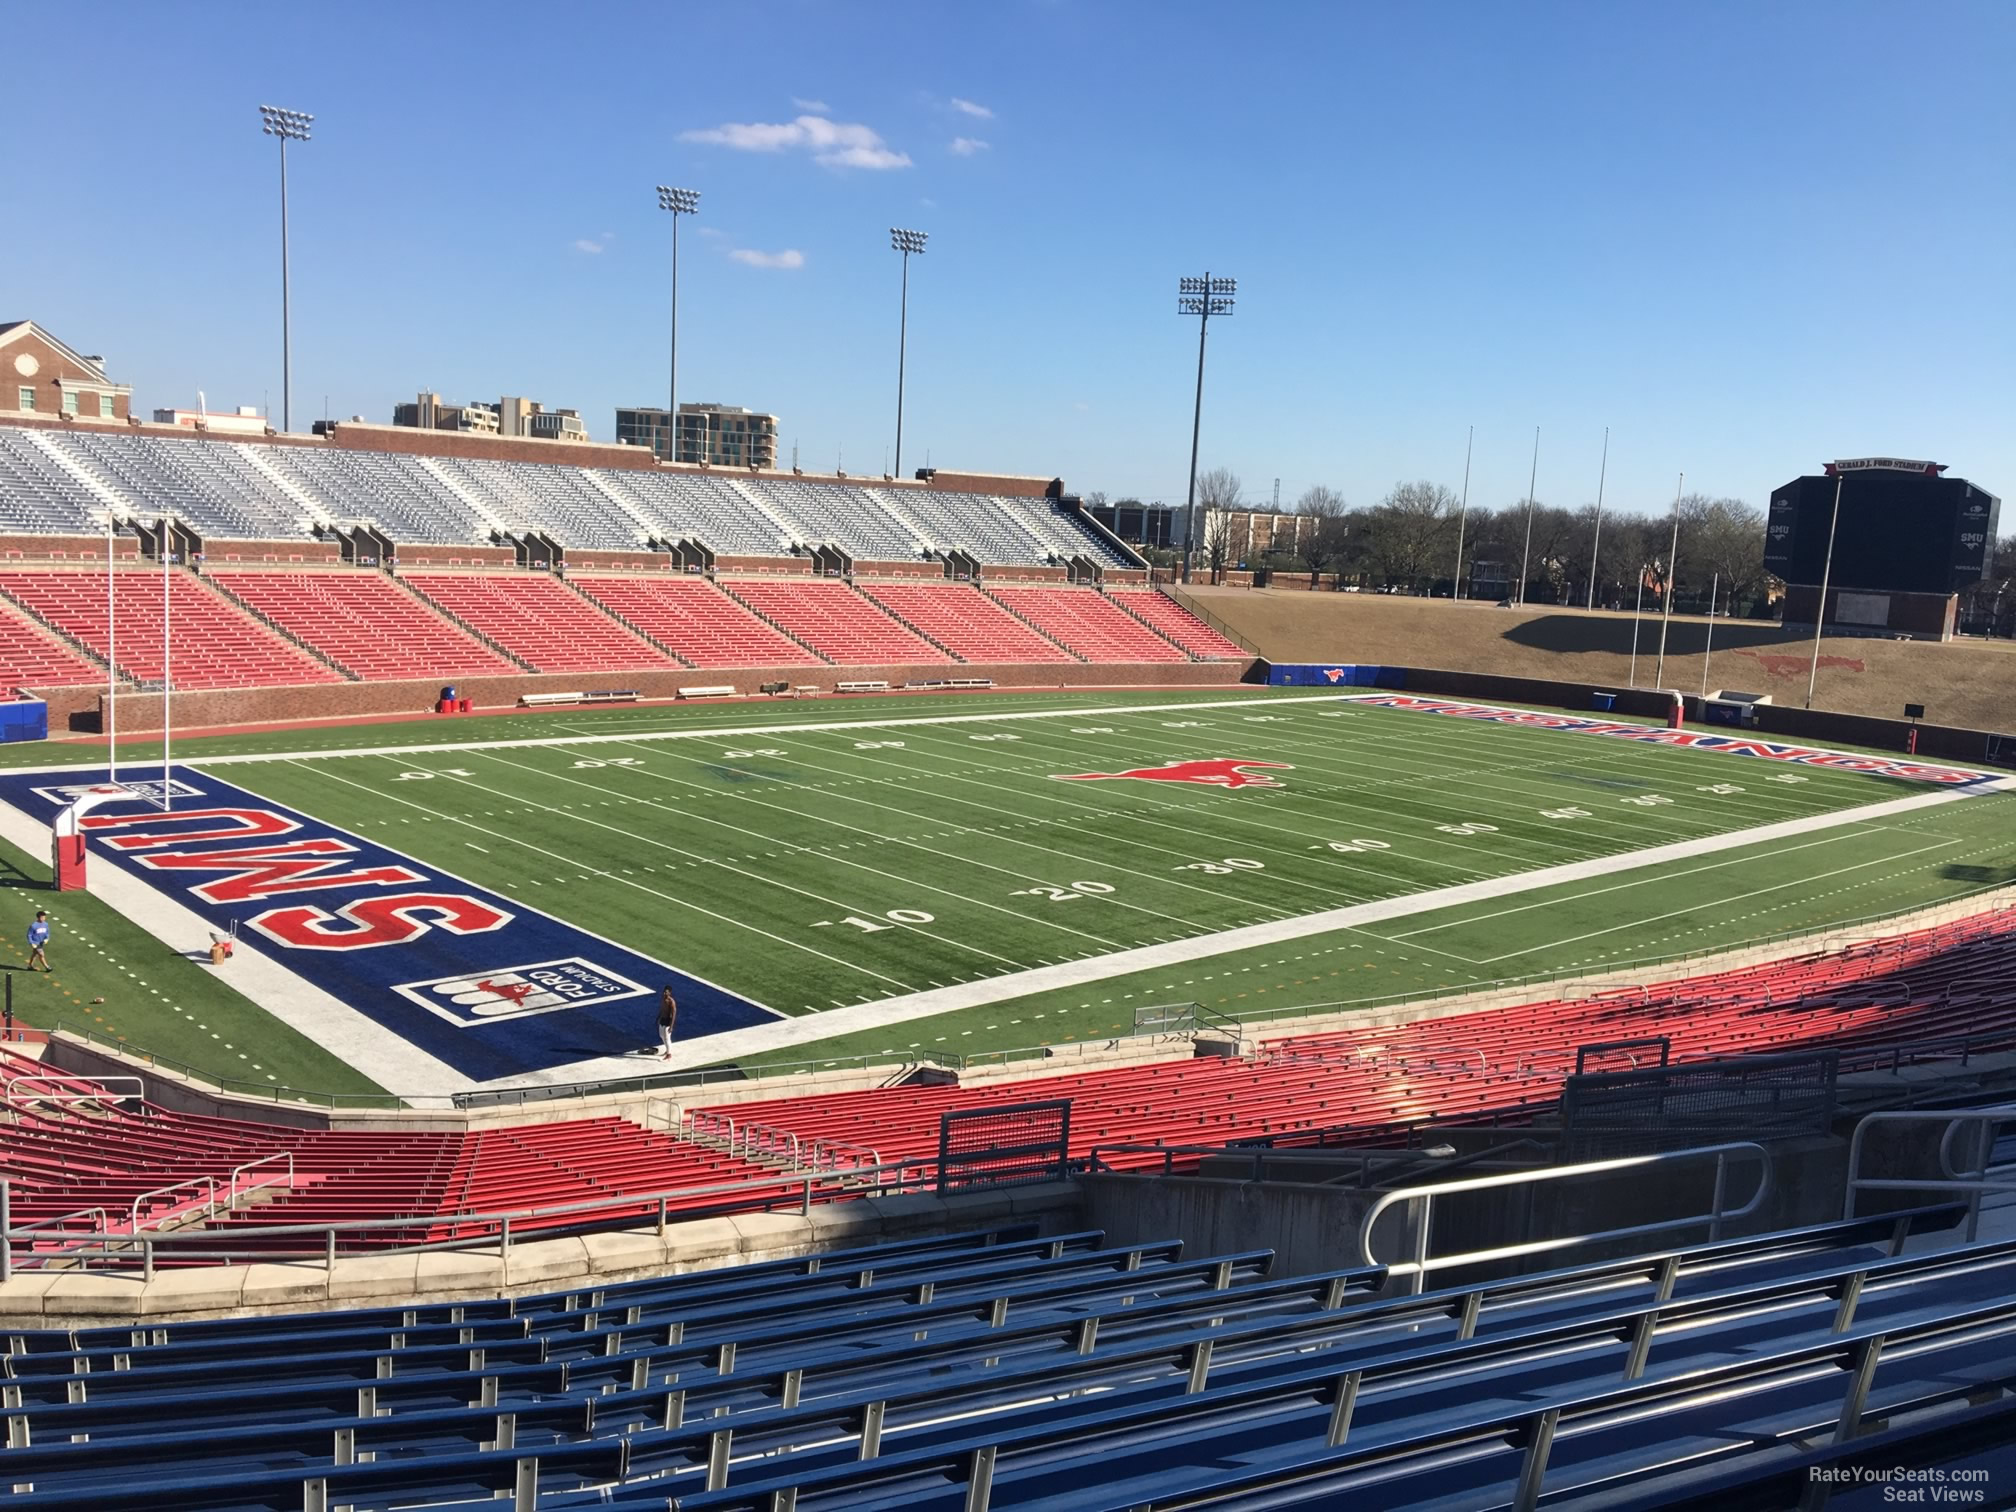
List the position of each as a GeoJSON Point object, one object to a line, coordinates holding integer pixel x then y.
{"type": "Point", "coordinates": [1603, 703]}
{"type": "Point", "coordinates": [462, 704]}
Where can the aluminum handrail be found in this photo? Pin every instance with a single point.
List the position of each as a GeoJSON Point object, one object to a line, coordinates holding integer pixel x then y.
{"type": "Point", "coordinates": [62, 1082]}
{"type": "Point", "coordinates": [233, 1191]}
{"type": "Point", "coordinates": [800, 1186]}
{"type": "Point", "coordinates": [1418, 1268]}
{"type": "Point", "coordinates": [1974, 1183]}
{"type": "Point", "coordinates": [206, 1184]}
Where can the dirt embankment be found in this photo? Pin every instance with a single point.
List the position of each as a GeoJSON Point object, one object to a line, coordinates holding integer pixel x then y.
{"type": "Point", "coordinates": [1970, 683]}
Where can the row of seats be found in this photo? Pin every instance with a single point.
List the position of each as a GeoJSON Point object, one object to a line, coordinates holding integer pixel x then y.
{"type": "Point", "coordinates": [211, 642]}
{"type": "Point", "coordinates": [376, 628]}
{"type": "Point", "coordinates": [1089, 625]}
{"type": "Point", "coordinates": [30, 657]}
{"type": "Point", "coordinates": [366, 622]}
{"type": "Point", "coordinates": [1900, 997]}
{"type": "Point", "coordinates": [66, 481]}
{"type": "Point", "coordinates": [1009, 1369]}
{"type": "Point", "coordinates": [81, 1163]}
{"type": "Point", "coordinates": [1170, 619]}
{"type": "Point", "coordinates": [843, 626]}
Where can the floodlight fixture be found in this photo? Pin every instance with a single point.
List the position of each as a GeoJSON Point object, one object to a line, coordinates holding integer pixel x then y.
{"type": "Point", "coordinates": [287, 126]}
{"type": "Point", "coordinates": [290, 125]}
{"type": "Point", "coordinates": [905, 242]}
{"type": "Point", "coordinates": [1202, 296]}
{"type": "Point", "coordinates": [679, 202]}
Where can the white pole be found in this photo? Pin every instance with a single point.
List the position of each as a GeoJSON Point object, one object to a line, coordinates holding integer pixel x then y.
{"type": "Point", "coordinates": [1456, 588]}
{"type": "Point", "coordinates": [1709, 652]}
{"type": "Point", "coordinates": [167, 657]}
{"type": "Point", "coordinates": [1526, 561]}
{"type": "Point", "coordinates": [1602, 473]}
{"type": "Point", "coordinates": [1637, 616]}
{"type": "Point", "coordinates": [1826, 572]}
{"type": "Point", "coordinates": [1666, 598]}
{"type": "Point", "coordinates": [111, 660]}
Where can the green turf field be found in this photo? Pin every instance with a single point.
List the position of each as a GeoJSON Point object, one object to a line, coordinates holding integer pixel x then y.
{"type": "Point", "coordinates": [818, 857]}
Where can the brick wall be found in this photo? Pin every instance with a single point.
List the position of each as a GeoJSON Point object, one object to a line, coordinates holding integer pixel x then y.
{"type": "Point", "coordinates": [57, 548]}
{"type": "Point", "coordinates": [80, 708]}
{"type": "Point", "coordinates": [627, 561]}
{"type": "Point", "coordinates": [275, 553]}
{"type": "Point", "coordinates": [457, 556]}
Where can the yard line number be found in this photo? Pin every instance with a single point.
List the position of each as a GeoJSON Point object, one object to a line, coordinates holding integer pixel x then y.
{"type": "Point", "coordinates": [1223, 868]}
{"type": "Point", "coordinates": [870, 926]}
{"type": "Point", "coordinates": [1064, 894]}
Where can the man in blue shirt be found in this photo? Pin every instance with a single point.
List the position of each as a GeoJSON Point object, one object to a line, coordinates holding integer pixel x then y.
{"type": "Point", "coordinates": [38, 937]}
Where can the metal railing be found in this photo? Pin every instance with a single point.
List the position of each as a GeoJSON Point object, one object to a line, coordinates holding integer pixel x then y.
{"type": "Point", "coordinates": [107, 1250]}
{"type": "Point", "coordinates": [1422, 1198]}
{"type": "Point", "coordinates": [1983, 1176]}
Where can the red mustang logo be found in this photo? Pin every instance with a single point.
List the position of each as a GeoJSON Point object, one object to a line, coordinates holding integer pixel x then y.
{"type": "Point", "coordinates": [511, 992]}
{"type": "Point", "coordinates": [1333, 674]}
{"type": "Point", "coordinates": [1221, 771]}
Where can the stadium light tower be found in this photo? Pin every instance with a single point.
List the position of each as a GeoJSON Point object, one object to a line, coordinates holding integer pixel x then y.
{"type": "Point", "coordinates": [905, 242]}
{"type": "Point", "coordinates": [679, 202]}
{"type": "Point", "coordinates": [288, 126]}
{"type": "Point", "coordinates": [1202, 297]}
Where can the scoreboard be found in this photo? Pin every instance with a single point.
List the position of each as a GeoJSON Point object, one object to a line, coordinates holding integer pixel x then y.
{"type": "Point", "coordinates": [1903, 529]}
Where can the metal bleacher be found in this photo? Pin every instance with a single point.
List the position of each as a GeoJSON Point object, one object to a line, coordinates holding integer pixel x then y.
{"type": "Point", "coordinates": [39, 497]}
{"type": "Point", "coordinates": [405, 500]}
{"type": "Point", "coordinates": [1010, 1370]}
{"type": "Point", "coordinates": [257, 490]}
{"type": "Point", "coordinates": [213, 488]}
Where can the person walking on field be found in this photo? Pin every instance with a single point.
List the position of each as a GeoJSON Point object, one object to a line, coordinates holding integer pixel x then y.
{"type": "Point", "coordinates": [668, 1015]}
{"type": "Point", "coordinates": [38, 937]}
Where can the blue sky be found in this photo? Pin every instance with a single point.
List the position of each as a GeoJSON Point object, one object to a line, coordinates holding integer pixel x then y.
{"type": "Point", "coordinates": [1745, 237]}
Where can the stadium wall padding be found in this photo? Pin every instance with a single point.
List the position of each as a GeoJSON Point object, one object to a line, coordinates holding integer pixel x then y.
{"type": "Point", "coordinates": [1819, 726]}
{"type": "Point", "coordinates": [80, 709]}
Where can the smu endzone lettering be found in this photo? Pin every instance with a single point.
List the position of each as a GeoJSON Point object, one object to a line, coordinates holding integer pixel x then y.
{"type": "Point", "coordinates": [295, 866]}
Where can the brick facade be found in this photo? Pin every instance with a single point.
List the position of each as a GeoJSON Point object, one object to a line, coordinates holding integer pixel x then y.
{"type": "Point", "coordinates": [32, 360]}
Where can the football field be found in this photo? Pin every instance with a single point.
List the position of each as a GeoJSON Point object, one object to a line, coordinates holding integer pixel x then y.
{"type": "Point", "coordinates": [965, 875]}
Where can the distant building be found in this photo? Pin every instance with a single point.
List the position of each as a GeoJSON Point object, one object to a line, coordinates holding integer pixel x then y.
{"type": "Point", "coordinates": [243, 421]}
{"type": "Point", "coordinates": [509, 416]}
{"type": "Point", "coordinates": [1139, 524]}
{"type": "Point", "coordinates": [1249, 535]}
{"type": "Point", "coordinates": [40, 375]}
{"type": "Point", "coordinates": [718, 434]}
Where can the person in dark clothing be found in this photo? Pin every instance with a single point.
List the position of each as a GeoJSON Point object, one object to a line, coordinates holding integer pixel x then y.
{"type": "Point", "coordinates": [668, 1015]}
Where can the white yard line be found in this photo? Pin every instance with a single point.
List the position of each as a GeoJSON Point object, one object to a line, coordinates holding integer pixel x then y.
{"type": "Point", "coordinates": [382, 1054]}
{"type": "Point", "coordinates": [750, 731]}
{"type": "Point", "coordinates": [916, 1005]}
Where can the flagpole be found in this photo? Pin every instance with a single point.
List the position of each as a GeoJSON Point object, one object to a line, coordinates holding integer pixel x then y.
{"type": "Point", "coordinates": [1666, 598]}
{"type": "Point", "coordinates": [111, 660]}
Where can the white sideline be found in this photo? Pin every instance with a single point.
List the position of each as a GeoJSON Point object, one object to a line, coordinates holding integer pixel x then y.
{"type": "Point", "coordinates": [387, 1058]}
{"type": "Point", "coordinates": [741, 732]}
{"type": "Point", "coordinates": [896, 1010]}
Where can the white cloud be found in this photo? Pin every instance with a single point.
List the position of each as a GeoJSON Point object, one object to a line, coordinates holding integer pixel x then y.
{"type": "Point", "coordinates": [583, 244]}
{"type": "Point", "coordinates": [833, 144]}
{"type": "Point", "coordinates": [967, 107]}
{"type": "Point", "coordinates": [788, 258]}
{"type": "Point", "coordinates": [814, 107]}
{"type": "Point", "coordinates": [710, 231]}
{"type": "Point", "coordinates": [967, 146]}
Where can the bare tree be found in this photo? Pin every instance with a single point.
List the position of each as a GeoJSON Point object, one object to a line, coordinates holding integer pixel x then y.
{"type": "Point", "coordinates": [1220, 488]}
{"type": "Point", "coordinates": [1321, 540]}
{"type": "Point", "coordinates": [1410, 530]}
{"type": "Point", "coordinates": [1218, 541]}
